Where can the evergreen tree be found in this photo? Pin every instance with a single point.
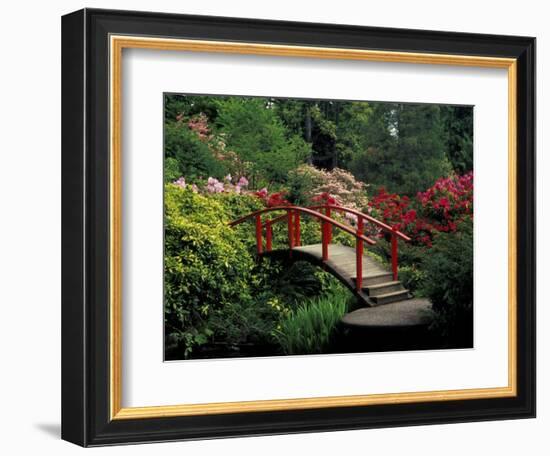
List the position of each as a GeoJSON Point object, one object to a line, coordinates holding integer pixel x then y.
{"type": "Point", "coordinates": [253, 130]}
{"type": "Point", "coordinates": [405, 149]}
{"type": "Point", "coordinates": [458, 122]}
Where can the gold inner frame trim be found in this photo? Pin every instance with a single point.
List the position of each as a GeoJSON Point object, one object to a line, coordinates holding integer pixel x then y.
{"type": "Point", "coordinates": [117, 44]}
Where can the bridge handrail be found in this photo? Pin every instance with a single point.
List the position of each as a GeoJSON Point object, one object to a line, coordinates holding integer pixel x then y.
{"type": "Point", "coordinates": [355, 212]}
{"type": "Point", "coordinates": [305, 210]}
{"type": "Point", "coordinates": [371, 219]}
{"type": "Point", "coordinates": [293, 219]}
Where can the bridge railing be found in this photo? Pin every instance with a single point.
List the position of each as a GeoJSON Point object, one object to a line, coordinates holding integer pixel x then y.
{"type": "Point", "coordinates": [292, 217]}
{"type": "Point", "coordinates": [394, 233]}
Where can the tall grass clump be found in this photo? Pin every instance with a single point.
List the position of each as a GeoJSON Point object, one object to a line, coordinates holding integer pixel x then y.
{"type": "Point", "coordinates": [310, 327]}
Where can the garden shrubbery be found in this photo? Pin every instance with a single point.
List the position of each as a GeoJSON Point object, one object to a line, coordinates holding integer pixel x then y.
{"type": "Point", "coordinates": [448, 283]}
{"type": "Point", "coordinates": [207, 272]}
{"type": "Point", "coordinates": [216, 294]}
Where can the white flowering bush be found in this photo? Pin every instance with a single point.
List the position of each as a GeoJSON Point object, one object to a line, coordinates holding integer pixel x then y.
{"type": "Point", "coordinates": [308, 182]}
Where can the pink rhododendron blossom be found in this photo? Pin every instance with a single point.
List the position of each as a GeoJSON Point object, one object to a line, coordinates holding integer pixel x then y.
{"type": "Point", "coordinates": [180, 182]}
{"type": "Point", "coordinates": [200, 126]}
{"type": "Point", "coordinates": [243, 182]}
{"type": "Point", "coordinates": [214, 185]}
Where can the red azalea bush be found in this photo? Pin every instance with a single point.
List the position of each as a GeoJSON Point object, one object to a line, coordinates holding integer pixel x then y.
{"type": "Point", "coordinates": [273, 199]}
{"type": "Point", "coordinates": [325, 198]}
{"type": "Point", "coordinates": [397, 211]}
{"type": "Point", "coordinates": [449, 201]}
{"type": "Point", "coordinates": [439, 209]}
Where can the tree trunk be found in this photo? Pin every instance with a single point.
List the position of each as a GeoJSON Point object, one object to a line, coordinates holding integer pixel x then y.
{"type": "Point", "coordinates": [308, 132]}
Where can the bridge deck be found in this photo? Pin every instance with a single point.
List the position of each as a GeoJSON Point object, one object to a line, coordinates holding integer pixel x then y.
{"type": "Point", "coordinates": [341, 264]}
{"type": "Point", "coordinates": [399, 310]}
{"type": "Point", "coordinates": [342, 259]}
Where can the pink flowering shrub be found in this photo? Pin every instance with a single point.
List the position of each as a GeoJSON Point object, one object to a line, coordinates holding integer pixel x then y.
{"type": "Point", "coordinates": [218, 146]}
{"type": "Point", "coordinates": [213, 185]}
{"type": "Point", "coordinates": [199, 125]}
{"type": "Point", "coordinates": [180, 182]}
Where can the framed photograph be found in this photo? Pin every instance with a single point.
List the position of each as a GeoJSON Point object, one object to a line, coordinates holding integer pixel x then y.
{"type": "Point", "coordinates": [279, 227]}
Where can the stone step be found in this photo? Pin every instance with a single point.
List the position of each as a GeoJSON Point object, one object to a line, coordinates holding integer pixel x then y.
{"type": "Point", "coordinates": [412, 312]}
{"type": "Point", "coordinates": [387, 298]}
{"type": "Point", "coordinates": [383, 288]}
{"type": "Point", "coordinates": [375, 279]}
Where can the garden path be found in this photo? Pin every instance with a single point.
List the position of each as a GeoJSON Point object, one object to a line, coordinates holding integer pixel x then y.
{"type": "Point", "coordinates": [387, 302]}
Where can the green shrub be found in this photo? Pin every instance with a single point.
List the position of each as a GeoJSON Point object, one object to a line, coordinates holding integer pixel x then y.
{"type": "Point", "coordinates": [411, 277]}
{"type": "Point", "coordinates": [448, 283]}
{"type": "Point", "coordinates": [190, 156]}
{"type": "Point", "coordinates": [407, 254]}
{"type": "Point", "coordinates": [172, 170]}
{"type": "Point", "coordinates": [311, 326]}
{"type": "Point", "coordinates": [258, 136]}
{"type": "Point", "coordinates": [208, 277]}
{"type": "Point", "coordinates": [234, 206]}
{"type": "Point", "coordinates": [294, 282]}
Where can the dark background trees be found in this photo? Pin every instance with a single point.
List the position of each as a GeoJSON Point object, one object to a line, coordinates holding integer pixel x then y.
{"type": "Point", "coordinates": [403, 147]}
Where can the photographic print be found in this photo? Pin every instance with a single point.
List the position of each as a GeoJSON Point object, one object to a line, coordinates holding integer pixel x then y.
{"type": "Point", "coordinates": [301, 226]}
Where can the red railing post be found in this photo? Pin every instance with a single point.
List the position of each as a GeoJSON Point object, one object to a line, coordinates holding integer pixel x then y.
{"type": "Point", "coordinates": [329, 226]}
{"type": "Point", "coordinates": [290, 231]}
{"type": "Point", "coordinates": [292, 215]}
{"type": "Point", "coordinates": [297, 239]}
{"type": "Point", "coordinates": [268, 236]}
{"type": "Point", "coordinates": [259, 234]}
{"type": "Point", "coordinates": [324, 239]}
{"type": "Point", "coordinates": [394, 253]}
{"type": "Point", "coordinates": [359, 256]}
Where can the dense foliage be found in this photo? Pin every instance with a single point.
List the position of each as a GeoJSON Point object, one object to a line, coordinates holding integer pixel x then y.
{"type": "Point", "coordinates": [217, 296]}
{"type": "Point", "coordinates": [407, 150]}
{"type": "Point", "coordinates": [448, 283]}
{"type": "Point", "coordinates": [204, 302]}
{"type": "Point", "coordinates": [403, 147]}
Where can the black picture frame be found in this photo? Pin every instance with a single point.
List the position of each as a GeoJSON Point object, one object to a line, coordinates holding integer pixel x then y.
{"type": "Point", "coordinates": [85, 228]}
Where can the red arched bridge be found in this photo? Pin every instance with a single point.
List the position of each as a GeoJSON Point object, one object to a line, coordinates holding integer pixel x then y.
{"type": "Point", "coordinates": [373, 284]}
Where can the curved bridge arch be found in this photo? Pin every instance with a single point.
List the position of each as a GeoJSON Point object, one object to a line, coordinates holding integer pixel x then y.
{"type": "Point", "coordinates": [372, 284]}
